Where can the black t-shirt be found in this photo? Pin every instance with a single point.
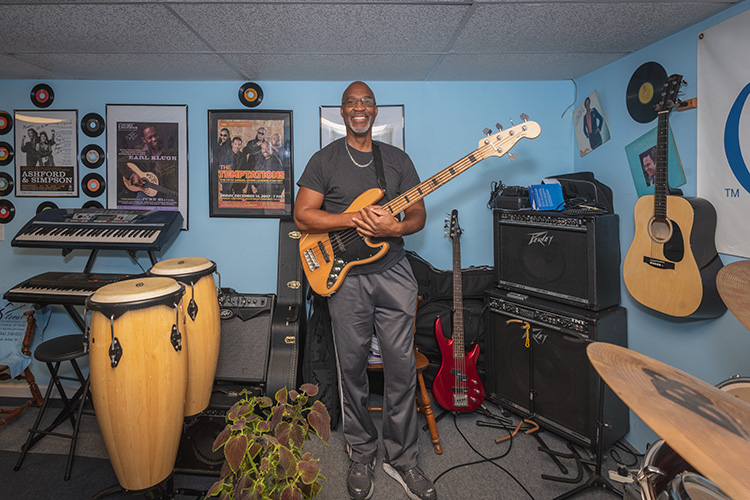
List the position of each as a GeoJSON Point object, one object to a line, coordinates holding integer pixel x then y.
{"type": "Point", "coordinates": [332, 173]}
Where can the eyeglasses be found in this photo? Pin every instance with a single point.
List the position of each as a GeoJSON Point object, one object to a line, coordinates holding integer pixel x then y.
{"type": "Point", "coordinates": [223, 135]}
{"type": "Point", "coordinates": [261, 133]}
{"type": "Point", "coordinates": [351, 102]}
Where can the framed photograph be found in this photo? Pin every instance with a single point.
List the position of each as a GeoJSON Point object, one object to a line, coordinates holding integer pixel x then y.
{"type": "Point", "coordinates": [147, 158]}
{"type": "Point", "coordinates": [642, 160]}
{"type": "Point", "coordinates": [250, 163]}
{"type": "Point", "coordinates": [590, 124]}
{"type": "Point", "coordinates": [388, 126]}
{"type": "Point", "coordinates": [46, 153]}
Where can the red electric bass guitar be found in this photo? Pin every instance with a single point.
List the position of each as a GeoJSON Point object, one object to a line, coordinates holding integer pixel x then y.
{"type": "Point", "coordinates": [456, 386]}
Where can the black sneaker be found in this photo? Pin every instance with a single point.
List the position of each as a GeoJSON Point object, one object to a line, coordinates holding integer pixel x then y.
{"type": "Point", "coordinates": [415, 483]}
{"type": "Point", "coordinates": [359, 480]}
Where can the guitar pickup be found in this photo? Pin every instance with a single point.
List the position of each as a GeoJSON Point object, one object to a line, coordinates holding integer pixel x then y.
{"type": "Point", "coordinates": [311, 260]}
{"type": "Point", "coordinates": [658, 263]}
{"type": "Point", "coordinates": [459, 375]}
{"type": "Point", "coordinates": [324, 252]}
{"type": "Point", "coordinates": [460, 390]}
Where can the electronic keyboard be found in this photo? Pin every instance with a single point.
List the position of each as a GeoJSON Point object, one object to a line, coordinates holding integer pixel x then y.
{"type": "Point", "coordinates": [62, 288]}
{"type": "Point", "coordinates": [99, 228]}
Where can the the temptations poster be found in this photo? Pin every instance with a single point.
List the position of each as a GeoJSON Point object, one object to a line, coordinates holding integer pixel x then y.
{"type": "Point", "coordinates": [147, 158]}
{"type": "Point", "coordinates": [46, 153]}
{"type": "Point", "coordinates": [250, 163]}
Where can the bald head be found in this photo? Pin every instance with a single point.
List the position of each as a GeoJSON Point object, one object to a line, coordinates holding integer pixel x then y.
{"type": "Point", "coordinates": [358, 109]}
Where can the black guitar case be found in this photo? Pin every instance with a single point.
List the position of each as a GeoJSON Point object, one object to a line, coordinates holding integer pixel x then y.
{"type": "Point", "coordinates": [436, 292]}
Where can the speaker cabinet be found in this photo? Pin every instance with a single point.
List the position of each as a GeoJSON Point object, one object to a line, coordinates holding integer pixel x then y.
{"type": "Point", "coordinates": [552, 379]}
{"type": "Point", "coordinates": [569, 259]}
{"type": "Point", "coordinates": [245, 336]}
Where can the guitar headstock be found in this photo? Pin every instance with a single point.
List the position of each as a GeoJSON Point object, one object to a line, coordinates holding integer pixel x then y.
{"type": "Point", "coordinates": [500, 142]}
{"type": "Point", "coordinates": [670, 95]}
{"type": "Point", "coordinates": [452, 229]}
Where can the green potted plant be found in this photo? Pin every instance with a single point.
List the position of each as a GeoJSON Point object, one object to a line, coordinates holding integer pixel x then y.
{"type": "Point", "coordinates": [263, 443]}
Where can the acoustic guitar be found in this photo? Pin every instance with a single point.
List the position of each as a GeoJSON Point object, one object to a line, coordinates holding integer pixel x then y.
{"type": "Point", "coordinates": [149, 183]}
{"type": "Point", "coordinates": [328, 257]}
{"type": "Point", "coordinates": [672, 263]}
{"type": "Point", "coordinates": [456, 386]}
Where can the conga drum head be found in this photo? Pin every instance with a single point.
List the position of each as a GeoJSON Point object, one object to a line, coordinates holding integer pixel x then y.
{"type": "Point", "coordinates": [128, 295]}
{"type": "Point", "coordinates": [185, 269]}
{"type": "Point", "coordinates": [737, 386]}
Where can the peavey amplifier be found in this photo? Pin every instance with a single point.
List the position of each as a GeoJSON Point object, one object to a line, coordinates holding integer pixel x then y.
{"type": "Point", "coordinates": [570, 259]}
{"type": "Point", "coordinates": [543, 371]}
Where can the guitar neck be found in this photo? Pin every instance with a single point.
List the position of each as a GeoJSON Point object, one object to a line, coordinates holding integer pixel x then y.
{"type": "Point", "coordinates": [458, 307]}
{"type": "Point", "coordinates": [661, 176]}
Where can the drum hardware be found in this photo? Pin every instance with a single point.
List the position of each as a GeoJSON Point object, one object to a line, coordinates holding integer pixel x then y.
{"type": "Point", "coordinates": [115, 349]}
{"type": "Point", "coordinates": [192, 308]}
{"type": "Point", "coordinates": [175, 336]}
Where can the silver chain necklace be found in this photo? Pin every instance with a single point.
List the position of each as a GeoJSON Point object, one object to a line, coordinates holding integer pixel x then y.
{"type": "Point", "coordinates": [346, 144]}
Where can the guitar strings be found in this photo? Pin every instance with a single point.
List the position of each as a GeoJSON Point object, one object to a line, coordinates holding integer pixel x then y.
{"type": "Point", "coordinates": [398, 204]}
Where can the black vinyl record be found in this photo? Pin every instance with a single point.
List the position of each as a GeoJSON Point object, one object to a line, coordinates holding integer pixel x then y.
{"type": "Point", "coordinates": [644, 91]}
{"type": "Point", "coordinates": [6, 122]}
{"type": "Point", "coordinates": [6, 184]}
{"type": "Point", "coordinates": [6, 153]}
{"type": "Point", "coordinates": [42, 95]}
{"type": "Point", "coordinates": [7, 211]}
{"type": "Point", "coordinates": [93, 185]}
{"type": "Point", "coordinates": [92, 204]}
{"type": "Point", "coordinates": [92, 125]}
{"type": "Point", "coordinates": [92, 156]}
{"type": "Point", "coordinates": [251, 94]}
{"type": "Point", "coordinates": [45, 205]}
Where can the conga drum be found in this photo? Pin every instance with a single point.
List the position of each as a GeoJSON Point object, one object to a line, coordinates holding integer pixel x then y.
{"type": "Point", "coordinates": [202, 325]}
{"type": "Point", "coordinates": [138, 376]}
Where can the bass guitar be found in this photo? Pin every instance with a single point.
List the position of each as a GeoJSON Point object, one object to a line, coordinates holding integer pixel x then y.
{"type": "Point", "coordinates": [672, 263]}
{"type": "Point", "coordinates": [328, 257]}
{"type": "Point", "coordinates": [456, 386]}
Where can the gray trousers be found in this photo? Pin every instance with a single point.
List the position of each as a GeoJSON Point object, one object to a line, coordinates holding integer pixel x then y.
{"type": "Point", "coordinates": [382, 303]}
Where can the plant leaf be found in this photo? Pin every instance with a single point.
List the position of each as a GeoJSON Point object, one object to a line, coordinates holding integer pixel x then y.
{"type": "Point", "coordinates": [221, 439]}
{"type": "Point", "coordinates": [309, 470]}
{"type": "Point", "coordinates": [309, 389]}
{"type": "Point", "coordinates": [215, 488]}
{"type": "Point", "coordinates": [293, 395]}
{"type": "Point", "coordinates": [320, 421]}
{"type": "Point", "coordinates": [278, 414]}
{"type": "Point", "coordinates": [291, 493]}
{"type": "Point", "coordinates": [265, 402]}
{"type": "Point", "coordinates": [287, 466]}
{"type": "Point", "coordinates": [281, 395]}
{"type": "Point", "coordinates": [283, 432]}
{"type": "Point", "coordinates": [234, 451]}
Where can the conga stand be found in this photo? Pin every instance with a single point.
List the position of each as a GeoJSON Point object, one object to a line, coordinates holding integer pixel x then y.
{"type": "Point", "coordinates": [164, 490]}
{"type": "Point", "coordinates": [595, 480]}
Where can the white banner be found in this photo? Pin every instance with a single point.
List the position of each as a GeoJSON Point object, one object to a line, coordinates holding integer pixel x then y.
{"type": "Point", "coordinates": [724, 130]}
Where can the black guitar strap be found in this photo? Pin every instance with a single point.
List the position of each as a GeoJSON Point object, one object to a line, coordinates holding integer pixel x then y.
{"type": "Point", "coordinates": [378, 166]}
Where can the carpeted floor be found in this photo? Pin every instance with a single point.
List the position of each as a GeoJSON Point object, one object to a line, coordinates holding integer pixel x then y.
{"type": "Point", "coordinates": [515, 475]}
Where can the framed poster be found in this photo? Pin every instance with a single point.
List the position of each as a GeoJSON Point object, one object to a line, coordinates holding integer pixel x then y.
{"type": "Point", "coordinates": [590, 124]}
{"type": "Point", "coordinates": [147, 158]}
{"type": "Point", "coordinates": [250, 163]}
{"type": "Point", "coordinates": [641, 155]}
{"type": "Point", "coordinates": [388, 126]}
{"type": "Point", "coordinates": [46, 153]}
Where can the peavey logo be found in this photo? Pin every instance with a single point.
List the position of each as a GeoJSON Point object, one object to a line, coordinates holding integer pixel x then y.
{"type": "Point", "coordinates": [543, 238]}
{"type": "Point", "coordinates": [537, 334]}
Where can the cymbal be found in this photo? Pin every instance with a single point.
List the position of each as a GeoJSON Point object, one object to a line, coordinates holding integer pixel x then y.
{"type": "Point", "coordinates": [706, 426]}
{"type": "Point", "coordinates": [733, 283]}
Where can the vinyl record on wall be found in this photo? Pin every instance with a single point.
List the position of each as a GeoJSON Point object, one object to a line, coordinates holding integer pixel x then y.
{"type": "Point", "coordinates": [251, 94]}
{"type": "Point", "coordinates": [6, 122]}
{"type": "Point", "coordinates": [42, 95]}
{"type": "Point", "coordinates": [45, 205]}
{"type": "Point", "coordinates": [644, 91]}
{"type": "Point", "coordinates": [92, 204]}
{"type": "Point", "coordinates": [7, 211]}
{"type": "Point", "coordinates": [92, 156]}
{"type": "Point", "coordinates": [92, 125]}
{"type": "Point", "coordinates": [93, 185]}
{"type": "Point", "coordinates": [6, 184]}
{"type": "Point", "coordinates": [6, 153]}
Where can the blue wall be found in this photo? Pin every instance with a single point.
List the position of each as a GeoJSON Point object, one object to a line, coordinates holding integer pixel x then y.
{"type": "Point", "coordinates": [712, 350]}
{"type": "Point", "coordinates": [444, 122]}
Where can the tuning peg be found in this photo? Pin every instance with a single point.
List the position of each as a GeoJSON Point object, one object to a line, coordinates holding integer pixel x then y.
{"type": "Point", "coordinates": [512, 156]}
{"type": "Point", "coordinates": [487, 131]}
{"type": "Point", "coordinates": [511, 123]}
{"type": "Point", "coordinates": [524, 117]}
{"type": "Point", "coordinates": [499, 127]}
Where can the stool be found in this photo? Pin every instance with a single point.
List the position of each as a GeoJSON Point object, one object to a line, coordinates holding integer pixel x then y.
{"type": "Point", "coordinates": [53, 352]}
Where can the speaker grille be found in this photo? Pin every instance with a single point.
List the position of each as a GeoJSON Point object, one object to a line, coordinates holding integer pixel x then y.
{"type": "Point", "coordinates": [245, 337]}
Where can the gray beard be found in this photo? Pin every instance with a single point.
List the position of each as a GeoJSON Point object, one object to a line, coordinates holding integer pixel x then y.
{"type": "Point", "coordinates": [360, 130]}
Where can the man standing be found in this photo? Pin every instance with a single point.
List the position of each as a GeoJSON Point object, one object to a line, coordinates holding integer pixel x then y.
{"type": "Point", "coordinates": [592, 125]}
{"type": "Point", "coordinates": [378, 297]}
{"type": "Point", "coordinates": [253, 147]}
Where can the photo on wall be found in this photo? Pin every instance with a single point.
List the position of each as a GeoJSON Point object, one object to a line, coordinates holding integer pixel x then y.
{"type": "Point", "coordinates": [642, 159]}
{"type": "Point", "coordinates": [590, 124]}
